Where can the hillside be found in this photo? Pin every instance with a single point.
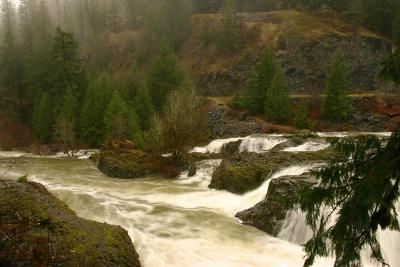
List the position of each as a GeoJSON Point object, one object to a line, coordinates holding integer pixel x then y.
{"type": "Point", "coordinates": [304, 43]}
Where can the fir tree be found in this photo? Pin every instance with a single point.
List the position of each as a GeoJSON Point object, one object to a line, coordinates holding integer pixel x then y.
{"type": "Point", "coordinates": [302, 117]}
{"type": "Point", "coordinates": [391, 68]}
{"type": "Point", "coordinates": [260, 82]}
{"type": "Point", "coordinates": [115, 118]}
{"type": "Point", "coordinates": [164, 76]}
{"type": "Point", "coordinates": [230, 29]}
{"type": "Point", "coordinates": [43, 117]}
{"type": "Point", "coordinates": [99, 93]}
{"type": "Point", "coordinates": [144, 107]}
{"type": "Point", "coordinates": [67, 68]}
{"type": "Point", "coordinates": [336, 106]}
{"type": "Point", "coordinates": [276, 102]}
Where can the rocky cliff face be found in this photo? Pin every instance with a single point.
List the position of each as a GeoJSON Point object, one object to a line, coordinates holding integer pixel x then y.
{"type": "Point", "coordinates": [37, 229]}
{"type": "Point", "coordinates": [304, 43]}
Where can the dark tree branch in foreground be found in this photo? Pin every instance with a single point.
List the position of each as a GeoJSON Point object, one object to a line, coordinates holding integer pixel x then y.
{"type": "Point", "coordinates": [354, 199]}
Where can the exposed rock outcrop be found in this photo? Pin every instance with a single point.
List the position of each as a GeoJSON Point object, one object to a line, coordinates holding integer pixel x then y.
{"type": "Point", "coordinates": [37, 229]}
{"type": "Point", "coordinates": [244, 172]}
{"type": "Point", "coordinates": [269, 214]}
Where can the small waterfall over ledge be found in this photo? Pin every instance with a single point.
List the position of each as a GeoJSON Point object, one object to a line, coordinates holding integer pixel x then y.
{"type": "Point", "coordinates": [295, 230]}
{"type": "Point", "coordinates": [253, 143]}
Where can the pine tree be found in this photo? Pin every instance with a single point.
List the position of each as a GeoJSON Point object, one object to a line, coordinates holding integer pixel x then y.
{"type": "Point", "coordinates": [336, 106]}
{"type": "Point", "coordinates": [260, 82]}
{"type": "Point", "coordinates": [116, 116]}
{"type": "Point", "coordinates": [276, 101]}
{"type": "Point", "coordinates": [164, 76]}
{"type": "Point", "coordinates": [133, 130]}
{"type": "Point", "coordinates": [302, 117]}
{"type": "Point", "coordinates": [144, 107]}
{"type": "Point", "coordinates": [396, 28]}
{"type": "Point", "coordinates": [43, 117]}
{"type": "Point", "coordinates": [230, 29]}
{"type": "Point", "coordinates": [67, 68]}
{"type": "Point", "coordinates": [65, 127]}
{"type": "Point", "coordinates": [98, 95]}
{"type": "Point", "coordinates": [391, 68]}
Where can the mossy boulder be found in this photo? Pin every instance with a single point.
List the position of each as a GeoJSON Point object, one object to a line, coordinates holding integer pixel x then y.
{"type": "Point", "coordinates": [269, 215]}
{"type": "Point", "coordinates": [37, 229]}
{"type": "Point", "coordinates": [244, 172]}
{"type": "Point", "coordinates": [125, 164]}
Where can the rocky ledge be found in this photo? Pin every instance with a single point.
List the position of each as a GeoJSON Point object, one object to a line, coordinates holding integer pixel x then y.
{"type": "Point", "coordinates": [244, 172]}
{"type": "Point", "coordinates": [37, 229]}
{"type": "Point", "coordinates": [125, 164]}
{"type": "Point", "coordinates": [269, 214]}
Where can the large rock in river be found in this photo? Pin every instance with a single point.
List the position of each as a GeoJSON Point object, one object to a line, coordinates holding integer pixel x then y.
{"type": "Point", "coordinates": [269, 214]}
{"type": "Point", "coordinates": [37, 229]}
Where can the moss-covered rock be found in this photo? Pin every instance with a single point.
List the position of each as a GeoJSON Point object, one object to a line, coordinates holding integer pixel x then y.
{"type": "Point", "coordinates": [244, 172]}
{"type": "Point", "coordinates": [125, 164]}
{"type": "Point", "coordinates": [269, 214]}
{"type": "Point", "coordinates": [37, 229]}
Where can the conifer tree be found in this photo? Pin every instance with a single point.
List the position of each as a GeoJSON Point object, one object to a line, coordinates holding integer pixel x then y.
{"type": "Point", "coordinates": [276, 101]}
{"type": "Point", "coordinates": [391, 68]}
{"type": "Point", "coordinates": [260, 82]}
{"type": "Point", "coordinates": [65, 127]}
{"type": "Point", "coordinates": [98, 95]}
{"type": "Point", "coordinates": [302, 118]}
{"type": "Point", "coordinates": [396, 28]}
{"type": "Point", "coordinates": [164, 75]}
{"type": "Point", "coordinates": [144, 107]}
{"type": "Point", "coordinates": [115, 118]}
{"type": "Point", "coordinates": [336, 106]}
{"type": "Point", "coordinates": [67, 68]}
{"type": "Point", "coordinates": [230, 29]}
{"type": "Point", "coordinates": [43, 117]}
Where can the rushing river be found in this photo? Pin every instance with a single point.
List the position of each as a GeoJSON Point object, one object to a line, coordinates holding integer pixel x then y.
{"type": "Point", "coordinates": [175, 223]}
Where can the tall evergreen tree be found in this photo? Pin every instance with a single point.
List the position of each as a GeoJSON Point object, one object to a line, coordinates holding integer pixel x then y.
{"type": "Point", "coordinates": [43, 117]}
{"type": "Point", "coordinates": [144, 107]}
{"type": "Point", "coordinates": [276, 101]}
{"type": "Point", "coordinates": [98, 95]}
{"type": "Point", "coordinates": [164, 75]}
{"type": "Point", "coordinates": [260, 82]}
{"type": "Point", "coordinates": [67, 68]}
{"type": "Point", "coordinates": [230, 29]}
{"type": "Point", "coordinates": [391, 68]}
{"type": "Point", "coordinates": [115, 118]}
{"type": "Point", "coordinates": [336, 106]}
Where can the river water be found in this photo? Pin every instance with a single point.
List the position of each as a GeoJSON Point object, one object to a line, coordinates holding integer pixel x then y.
{"type": "Point", "coordinates": [175, 223]}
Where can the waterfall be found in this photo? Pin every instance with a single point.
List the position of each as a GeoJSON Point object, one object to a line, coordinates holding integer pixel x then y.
{"type": "Point", "coordinates": [215, 146]}
{"type": "Point", "coordinates": [310, 146]}
{"type": "Point", "coordinates": [253, 143]}
{"type": "Point", "coordinates": [260, 144]}
{"type": "Point", "coordinates": [295, 230]}
{"type": "Point", "coordinates": [252, 198]}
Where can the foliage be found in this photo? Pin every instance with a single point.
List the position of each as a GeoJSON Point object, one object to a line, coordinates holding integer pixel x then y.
{"type": "Point", "coordinates": [144, 107]}
{"type": "Point", "coordinates": [391, 68]}
{"type": "Point", "coordinates": [42, 117]}
{"type": "Point", "coordinates": [115, 117]}
{"type": "Point", "coordinates": [276, 101]}
{"type": "Point", "coordinates": [180, 125]}
{"type": "Point", "coordinates": [354, 198]}
{"type": "Point", "coordinates": [229, 30]}
{"type": "Point", "coordinates": [302, 117]}
{"type": "Point", "coordinates": [337, 105]}
{"type": "Point", "coordinates": [98, 95]}
{"type": "Point", "coordinates": [164, 75]}
{"type": "Point", "coordinates": [259, 82]}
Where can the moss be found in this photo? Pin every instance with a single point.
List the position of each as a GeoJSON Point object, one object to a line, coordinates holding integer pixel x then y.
{"type": "Point", "coordinates": [49, 233]}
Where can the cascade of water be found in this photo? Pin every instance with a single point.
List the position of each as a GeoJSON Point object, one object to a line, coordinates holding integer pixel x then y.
{"type": "Point", "coordinates": [256, 143]}
{"type": "Point", "coordinates": [215, 146]}
{"type": "Point", "coordinates": [259, 144]}
{"type": "Point", "coordinates": [295, 230]}
{"type": "Point", "coordinates": [310, 146]}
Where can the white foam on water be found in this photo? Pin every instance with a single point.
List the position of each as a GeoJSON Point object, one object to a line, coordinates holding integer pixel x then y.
{"type": "Point", "coordinates": [253, 143]}
{"type": "Point", "coordinates": [310, 146]}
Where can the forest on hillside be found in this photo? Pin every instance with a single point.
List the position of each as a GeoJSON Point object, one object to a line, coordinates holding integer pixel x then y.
{"type": "Point", "coordinates": [81, 71]}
